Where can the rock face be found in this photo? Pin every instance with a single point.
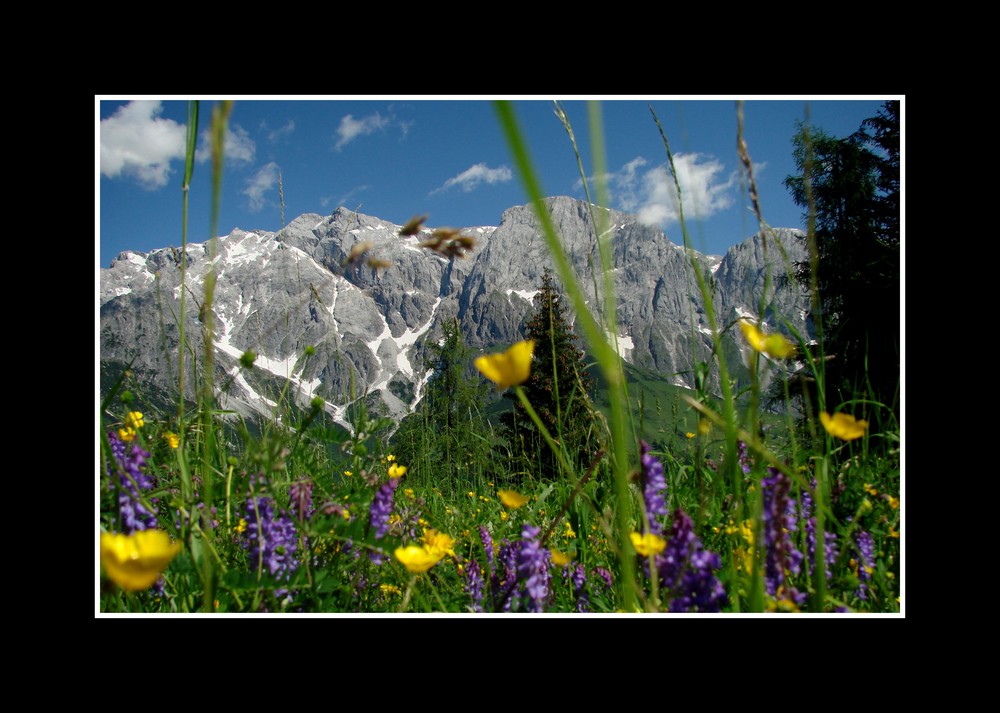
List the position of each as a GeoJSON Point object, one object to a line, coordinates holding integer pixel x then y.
{"type": "Point", "coordinates": [277, 293]}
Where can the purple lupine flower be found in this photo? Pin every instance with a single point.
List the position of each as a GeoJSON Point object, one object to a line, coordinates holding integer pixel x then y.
{"type": "Point", "coordinates": [300, 499]}
{"type": "Point", "coordinates": [605, 575]}
{"type": "Point", "coordinates": [579, 579]}
{"type": "Point", "coordinates": [131, 480]}
{"type": "Point", "coordinates": [779, 520]}
{"type": "Point", "coordinates": [474, 584]}
{"type": "Point", "coordinates": [654, 487]}
{"type": "Point", "coordinates": [270, 537]}
{"type": "Point", "coordinates": [744, 457]}
{"type": "Point", "coordinates": [381, 507]}
{"type": "Point", "coordinates": [484, 535]}
{"type": "Point", "coordinates": [687, 570]}
{"type": "Point", "coordinates": [533, 569]}
{"type": "Point", "coordinates": [504, 577]}
{"type": "Point", "coordinates": [830, 549]}
{"type": "Point", "coordinates": [866, 559]}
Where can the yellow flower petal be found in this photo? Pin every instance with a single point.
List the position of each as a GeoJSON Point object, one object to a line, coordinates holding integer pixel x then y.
{"type": "Point", "coordinates": [135, 561]}
{"type": "Point", "coordinates": [512, 499]}
{"type": "Point", "coordinates": [416, 559]}
{"type": "Point", "coordinates": [438, 543]}
{"type": "Point", "coordinates": [560, 559]}
{"type": "Point", "coordinates": [843, 425]}
{"type": "Point", "coordinates": [510, 367]}
{"type": "Point", "coordinates": [397, 471]}
{"type": "Point", "coordinates": [648, 544]}
{"type": "Point", "coordinates": [774, 345]}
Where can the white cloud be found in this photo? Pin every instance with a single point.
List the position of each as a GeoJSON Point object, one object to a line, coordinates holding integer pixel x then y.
{"type": "Point", "coordinates": [240, 148]}
{"type": "Point", "coordinates": [652, 196]}
{"type": "Point", "coordinates": [136, 142]}
{"type": "Point", "coordinates": [470, 178]}
{"type": "Point", "coordinates": [351, 128]}
{"type": "Point", "coordinates": [259, 184]}
{"type": "Point", "coordinates": [281, 132]}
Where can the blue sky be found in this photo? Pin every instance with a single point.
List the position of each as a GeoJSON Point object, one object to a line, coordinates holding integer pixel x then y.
{"type": "Point", "coordinates": [395, 157]}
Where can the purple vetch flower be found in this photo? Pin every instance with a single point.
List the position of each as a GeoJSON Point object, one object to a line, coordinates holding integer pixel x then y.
{"type": "Point", "coordinates": [744, 457]}
{"type": "Point", "coordinates": [300, 499]}
{"type": "Point", "coordinates": [474, 584]}
{"type": "Point", "coordinates": [533, 569]}
{"type": "Point", "coordinates": [504, 577]}
{"type": "Point", "coordinates": [579, 579]}
{"type": "Point", "coordinates": [270, 537]}
{"type": "Point", "coordinates": [654, 488]}
{"type": "Point", "coordinates": [866, 562]}
{"type": "Point", "coordinates": [131, 481]}
{"type": "Point", "coordinates": [830, 549]}
{"type": "Point", "coordinates": [686, 570]}
{"type": "Point", "coordinates": [605, 576]}
{"type": "Point", "coordinates": [779, 517]}
{"type": "Point", "coordinates": [484, 535]}
{"type": "Point", "coordinates": [381, 507]}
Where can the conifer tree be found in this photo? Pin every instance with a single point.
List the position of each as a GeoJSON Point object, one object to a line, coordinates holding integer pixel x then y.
{"type": "Point", "coordinates": [854, 182]}
{"type": "Point", "coordinates": [442, 430]}
{"type": "Point", "coordinates": [558, 389]}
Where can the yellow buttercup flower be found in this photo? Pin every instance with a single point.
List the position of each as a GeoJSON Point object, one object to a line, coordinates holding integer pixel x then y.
{"type": "Point", "coordinates": [648, 544]}
{"type": "Point", "coordinates": [397, 471]}
{"type": "Point", "coordinates": [689, 435]}
{"type": "Point", "coordinates": [843, 425]}
{"type": "Point", "coordinates": [509, 367]}
{"type": "Point", "coordinates": [512, 499]}
{"type": "Point", "coordinates": [416, 559]}
{"type": "Point", "coordinates": [560, 559]}
{"type": "Point", "coordinates": [438, 543]}
{"type": "Point", "coordinates": [135, 561]}
{"type": "Point", "coordinates": [774, 345]}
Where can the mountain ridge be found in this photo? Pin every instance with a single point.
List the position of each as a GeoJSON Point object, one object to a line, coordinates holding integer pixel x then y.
{"type": "Point", "coordinates": [278, 292]}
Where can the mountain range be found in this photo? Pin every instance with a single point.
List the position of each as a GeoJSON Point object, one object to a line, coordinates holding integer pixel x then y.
{"type": "Point", "coordinates": [369, 302]}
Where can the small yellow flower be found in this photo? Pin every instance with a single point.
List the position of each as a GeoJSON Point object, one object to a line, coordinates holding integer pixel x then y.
{"type": "Point", "coordinates": [397, 471]}
{"type": "Point", "coordinates": [509, 367]}
{"type": "Point", "coordinates": [774, 345]}
{"type": "Point", "coordinates": [512, 499]}
{"type": "Point", "coordinates": [134, 562]}
{"type": "Point", "coordinates": [389, 589]}
{"type": "Point", "coordinates": [408, 492]}
{"type": "Point", "coordinates": [569, 531]}
{"type": "Point", "coordinates": [173, 440]}
{"type": "Point", "coordinates": [348, 473]}
{"type": "Point", "coordinates": [893, 502]}
{"type": "Point", "coordinates": [689, 435]}
{"type": "Point", "coordinates": [241, 526]}
{"type": "Point", "coordinates": [503, 515]}
{"type": "Point", "coordinates": [704, 426]}
{"type": "Point", "coordinates": [134, 420]}
{"type": "Point", "coordinates": [416, 559]}
{"type": "Point", "coordinates": [843, 425]}
{"type": "Point", "coordinates": [126, 434]}
{"type": "Point", "coordinates": [648, 544]}
{"type": "Point", "coordinates": [560, 559]}
{"type": "Point", "coordinates": [471, 495]}
{"type": "Point", "coordinates": [390, 457]}
{"type": "Point", "coordinates": [438, 543]}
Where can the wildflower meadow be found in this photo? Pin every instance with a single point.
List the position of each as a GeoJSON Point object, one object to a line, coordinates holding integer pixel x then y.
{"type": "Point", "coordinates": [200, 513]}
